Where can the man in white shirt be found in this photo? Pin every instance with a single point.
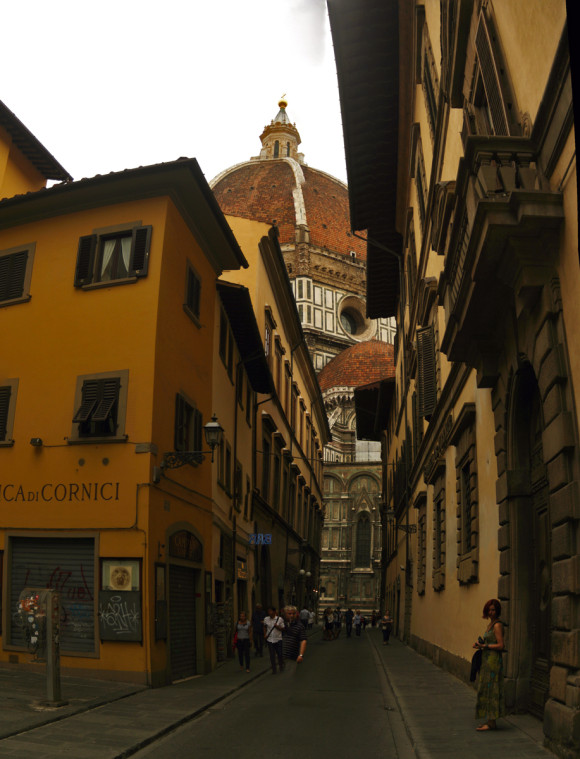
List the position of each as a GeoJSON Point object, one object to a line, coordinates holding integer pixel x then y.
{"type": "Point", "coordinates": [273, 626]}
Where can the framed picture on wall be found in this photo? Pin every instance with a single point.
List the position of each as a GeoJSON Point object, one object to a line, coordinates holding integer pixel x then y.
{"type": "Point", "coordinates": [120, 575]}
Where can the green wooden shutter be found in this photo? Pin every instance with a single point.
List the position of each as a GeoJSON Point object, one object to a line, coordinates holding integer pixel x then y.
{"type": "Point", "coordinates": [85, 260]}
{"type": "Point", "coordinates": [108, 396]}
{"type": "Point", "coordinates": [90, 392]}
{"type": "Point", "coordinates": [140, 246]}
{"type": "Point", "coordinates": [180, 431]}
{"type": "Point", "coordinates": [12, 273]}
{"type": "Point", "coordinates": [5, 393]}
{"type": "Point", "coordinates": [426, 371]}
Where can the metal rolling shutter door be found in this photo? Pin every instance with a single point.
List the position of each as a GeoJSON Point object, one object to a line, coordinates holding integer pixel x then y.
{"type": "Point", "coordinates": [182, 622]}
{"type": "Point", "coordinates": [66, 565]}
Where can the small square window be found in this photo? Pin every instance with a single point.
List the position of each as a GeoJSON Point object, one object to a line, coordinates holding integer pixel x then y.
{"type": "Point", "coordinates": [113, 256]}
{"type": "Point", "coordinates": [100, 407]}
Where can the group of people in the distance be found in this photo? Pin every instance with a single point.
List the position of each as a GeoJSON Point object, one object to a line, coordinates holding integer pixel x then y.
{"type": "Point", "coordinates": [333, 619]}
{"type": "Point", "coordinates": [281, 630]}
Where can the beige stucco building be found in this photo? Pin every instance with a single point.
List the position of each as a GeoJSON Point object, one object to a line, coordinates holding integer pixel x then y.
{"type": "Point", "coordinates": [462, 169]}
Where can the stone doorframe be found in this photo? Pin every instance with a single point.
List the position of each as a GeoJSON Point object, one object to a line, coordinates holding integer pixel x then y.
{"type": "Point", "coordinates": [538, 337]}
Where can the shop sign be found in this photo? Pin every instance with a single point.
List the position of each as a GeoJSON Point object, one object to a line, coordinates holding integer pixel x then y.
{"type": "Point", "coordinates": [71, 492]}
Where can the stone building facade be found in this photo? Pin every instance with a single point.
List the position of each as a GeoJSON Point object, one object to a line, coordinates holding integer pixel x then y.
{"type": "Point", "coordinates": [472, 222]}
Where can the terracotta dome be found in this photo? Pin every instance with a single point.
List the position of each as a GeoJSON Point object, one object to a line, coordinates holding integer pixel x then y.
{"type": "Point", "coordinates": [361, 364]}
{"type": "Point", "coordinates": [277, 187]}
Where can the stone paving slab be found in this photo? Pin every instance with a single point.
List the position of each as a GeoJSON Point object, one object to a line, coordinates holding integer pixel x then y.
{"type": "Point", "coordinates": [439, 711]}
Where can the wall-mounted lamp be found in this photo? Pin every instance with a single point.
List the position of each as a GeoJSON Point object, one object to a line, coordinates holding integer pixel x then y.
{"type": "Point", "coordinates": [36, 442]}
{"type": "Point", "coordinates": [408, 528]}
{"type": "Point", "coordinates": [213, 432]}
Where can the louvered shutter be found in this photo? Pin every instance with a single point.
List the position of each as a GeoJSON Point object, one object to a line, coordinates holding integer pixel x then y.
{"type": "Point", "coordinates": [90, 393]}
{"type": "Point", "coordinates": [197, 431]}
{"type": "Point", "coordinates": [5, 393]}
{"type": "Point", "coordinates": [12, 273]}
{"type": "Point", "coordinates": [140, 252]}
{"type": "Point", "coordinates": [491, 76]}
{"type": "Point", "coordinates": [426, 371]}
{"type": "Point", "coordinates": [180, 434]}
{"type": "Point", "coordinates": [85, 260]}
{"type": "Point", "coordinates": [107, 397]}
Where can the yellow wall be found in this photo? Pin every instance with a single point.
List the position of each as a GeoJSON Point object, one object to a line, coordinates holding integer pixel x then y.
{"type": "Point", "coordinates": [17, 174]}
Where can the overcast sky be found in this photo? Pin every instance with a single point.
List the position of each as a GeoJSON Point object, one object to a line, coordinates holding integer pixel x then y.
{"type": "Point", "coordinates": [117, 84]}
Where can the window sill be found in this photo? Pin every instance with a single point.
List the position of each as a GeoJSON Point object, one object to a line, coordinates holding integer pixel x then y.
{"type": "Point", "coordinates": [110, 283]}
{"type": "Point", "coordinates": [6, 443]}
{"type": "Point", "coordinates": [15, 301]}
{"type": "Point", "coordinates": [97, 440]}
{"type": "Point", "coordinates": [194, 318]}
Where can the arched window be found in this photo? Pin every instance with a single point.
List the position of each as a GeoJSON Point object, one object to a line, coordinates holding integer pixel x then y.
{"type": "Point", "coordinates": [363, 541]}
{"type": "Point", "coordinates": [288, 149]}
{"type": "Point", "coordinates": [276, 149]}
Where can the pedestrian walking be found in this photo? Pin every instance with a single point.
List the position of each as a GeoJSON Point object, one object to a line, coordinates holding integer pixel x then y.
{"type": "Point", "coordinates": [304, 617]}
{"type": "Point", "coordinates": [348, 616]}
{"type": "Point", "coordinates": [337, 622]}
{"type": "Point", "coordinates": [386, 626]}
{"type": "Point", "coordinates": [328, 623]}
{"type": "Point", "coordinates": [310, 620]}
{"type": "Point", "coordinates": [490, 693]}
{"type": "Point", "coordinates": [273, 624]}
{"type": "Point", "coordinates": [357, 621]}
{"type": "Point", "coordinates": [293, 640]}
{"type": "Point", "coordinates": [258, 630]}
{"type": "Point", "coordinates": [244, 632]}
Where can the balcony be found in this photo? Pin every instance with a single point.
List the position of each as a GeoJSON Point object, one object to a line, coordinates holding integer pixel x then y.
{"type": "Point", "coordinates": [499, 249]}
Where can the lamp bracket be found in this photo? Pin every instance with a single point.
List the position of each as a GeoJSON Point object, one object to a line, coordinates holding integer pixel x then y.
{"type": "Point", "coordinates": [175, 459]}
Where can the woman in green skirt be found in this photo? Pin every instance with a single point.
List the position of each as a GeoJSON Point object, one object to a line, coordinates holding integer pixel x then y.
{"type": "Point", "coordinates": [490, 695]}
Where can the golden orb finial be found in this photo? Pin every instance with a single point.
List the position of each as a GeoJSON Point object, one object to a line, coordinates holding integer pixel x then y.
{"type": "Point", "coordinates": [282, 103]}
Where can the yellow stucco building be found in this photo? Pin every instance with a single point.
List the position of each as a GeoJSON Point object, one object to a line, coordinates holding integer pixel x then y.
{"type": "Point", "coordinates": [126, 331]}
{"type": "Point", "coordinates": [462, 171]}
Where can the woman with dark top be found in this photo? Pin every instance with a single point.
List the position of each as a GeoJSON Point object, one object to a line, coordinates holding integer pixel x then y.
{"type": "Point", "coordinates": [387, 626]}
{"type": "Point", "coordinates": [244, 630]}
{"type": "Point", "coordinates": [490, 694]}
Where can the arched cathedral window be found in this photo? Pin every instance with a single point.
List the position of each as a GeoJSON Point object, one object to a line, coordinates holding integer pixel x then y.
{"type": "Point", "coordinates": [363, 541]}
{"type": "Point", "coordinates": [276, 149]}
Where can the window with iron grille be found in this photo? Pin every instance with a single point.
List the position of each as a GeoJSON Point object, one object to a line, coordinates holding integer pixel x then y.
{"type": "Point", "coordinates": [113, 256]}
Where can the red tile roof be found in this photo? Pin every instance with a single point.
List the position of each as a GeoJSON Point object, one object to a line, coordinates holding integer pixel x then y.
{"type": "Point", "coordinates": [263, 191]}
{"type": "Point", "coordinates": [361, 364]}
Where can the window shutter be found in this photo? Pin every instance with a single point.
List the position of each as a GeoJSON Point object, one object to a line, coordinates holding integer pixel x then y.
{"type": "Point", "coordinates": [491, 76]}
{"type": "Point", "coordinates": [197, 431]}
{"type": "Point", "coordinates": [108, 395]}
{"type": "Point", "coordinates": [426, 371]}
{"type": "Point", "coordinates": [12, 273]}
{"type": "Point", "coordinates": [5, 393]}
{"type": "Point", "coordinates": [179, 432]}
{"type": "Point", "coordinates": [90, 393]}
{"type": "Point", "coordinates": [140, 252]}
{"type": "Point", "coordinates": [85, 260]}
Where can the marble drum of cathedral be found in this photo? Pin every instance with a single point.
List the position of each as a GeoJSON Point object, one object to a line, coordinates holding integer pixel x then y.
{"type": "Point", "coordinates": [326, 266]}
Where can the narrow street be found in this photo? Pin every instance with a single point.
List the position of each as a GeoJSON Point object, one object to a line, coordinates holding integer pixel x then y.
{"type": "Point", "coordinates": [352, 697]}
{"type": "Point", "coordinates": [338, 704]}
